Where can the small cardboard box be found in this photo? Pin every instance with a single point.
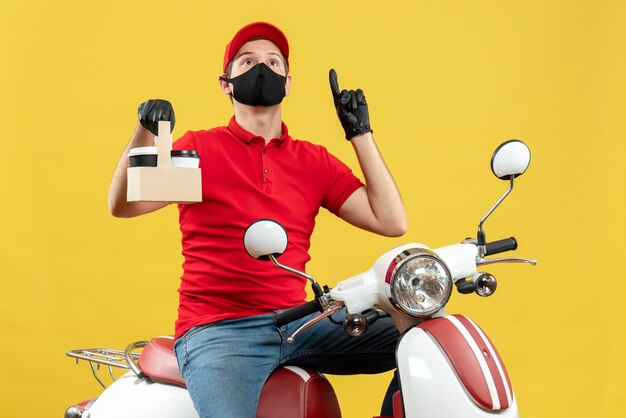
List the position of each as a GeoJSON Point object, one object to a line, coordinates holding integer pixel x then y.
{"type": "Point", "coordinates": [165, 182]}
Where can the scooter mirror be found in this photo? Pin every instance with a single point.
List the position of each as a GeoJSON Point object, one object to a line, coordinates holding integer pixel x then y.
{"type": "Point", "coordinates": [264, 238]}
{"type": "Point", "coordinates": [511, 158]}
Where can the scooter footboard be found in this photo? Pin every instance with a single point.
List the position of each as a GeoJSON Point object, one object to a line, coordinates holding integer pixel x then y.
{"type": "Point", "coordinates": [449, 368]}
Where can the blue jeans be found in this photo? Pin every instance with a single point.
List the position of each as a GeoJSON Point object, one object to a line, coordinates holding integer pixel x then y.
{"type": "Point", "coordinates": [225, 364]}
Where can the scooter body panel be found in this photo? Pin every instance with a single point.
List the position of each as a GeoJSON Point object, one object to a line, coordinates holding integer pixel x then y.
{"type": "Point", "coordinates": [431, 385]}
{"type": "Point", "coordinates": [130, 397]}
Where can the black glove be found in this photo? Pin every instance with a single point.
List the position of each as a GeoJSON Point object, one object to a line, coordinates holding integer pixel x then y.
{"type": "Point", "coordinates": [351, 108]}
{"type": "Point", "coordinates": [154, 110]}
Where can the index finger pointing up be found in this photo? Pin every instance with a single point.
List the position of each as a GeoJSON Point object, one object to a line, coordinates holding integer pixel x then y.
{"type": "Point", "coordinates": [334, 84]}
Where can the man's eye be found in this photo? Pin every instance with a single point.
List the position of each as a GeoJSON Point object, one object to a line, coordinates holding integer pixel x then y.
{"type": "Point", "coordinates": [248, 62]}
{"type": "Point", "coordinates": [273, 63]}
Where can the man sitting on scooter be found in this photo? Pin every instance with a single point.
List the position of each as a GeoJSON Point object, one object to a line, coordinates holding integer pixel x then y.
{"type": "Point", "coordinates": [227, 342]}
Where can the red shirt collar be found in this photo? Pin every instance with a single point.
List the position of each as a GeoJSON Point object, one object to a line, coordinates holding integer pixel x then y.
{"type": "Point", "coordinates": [247, 137]}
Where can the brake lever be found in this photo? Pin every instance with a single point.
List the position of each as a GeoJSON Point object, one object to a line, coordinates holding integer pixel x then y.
{"type": "Point", "coordinates": [484, 261]}
{"type": "Point", "coordinates": [331, 309]}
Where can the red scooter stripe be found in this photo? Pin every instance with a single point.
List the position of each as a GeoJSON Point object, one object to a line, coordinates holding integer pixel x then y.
{"type": "Point", "coordinates": [503, 373]}
{"type": "Point", "coordinates": [493, 360]}
{"type": "Point", "coordinates": [463, 360]}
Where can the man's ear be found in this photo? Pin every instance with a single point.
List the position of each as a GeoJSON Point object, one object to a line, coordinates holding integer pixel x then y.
{"type": "Point", "coordinates": [224, 86]}
{"type": "Point", "coordinates": [287, 85]}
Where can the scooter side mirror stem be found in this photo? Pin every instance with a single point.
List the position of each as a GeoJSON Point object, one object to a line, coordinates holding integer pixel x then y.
{"type": "Point", "coordinates": [266, 239]}
{"type": "Point", "coordinates": [482, 240]}
{"type": "Point", "coordinates": [294, 271]}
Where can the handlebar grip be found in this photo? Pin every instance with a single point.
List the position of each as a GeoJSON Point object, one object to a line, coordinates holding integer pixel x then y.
{"type": "Point", "coordinates": [297, 312]}
{"type": "Point", "coordinates": [507, 244]}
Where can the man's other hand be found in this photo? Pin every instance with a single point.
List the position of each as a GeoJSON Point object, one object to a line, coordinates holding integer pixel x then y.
{"type": "Point", "coordinates": [154, 110]}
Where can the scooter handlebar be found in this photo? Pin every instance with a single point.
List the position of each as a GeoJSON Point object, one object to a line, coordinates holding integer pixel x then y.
{"type": "Point", "coordinates": [296, 312]}
{"type": "Point", "coordinates": [507, 244]}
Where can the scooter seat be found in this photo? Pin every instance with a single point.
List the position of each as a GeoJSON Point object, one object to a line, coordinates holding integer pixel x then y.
{"type": "Point", "coordinates": [289, 392]}
{"type": "Point", "coordinates": [158, 362]}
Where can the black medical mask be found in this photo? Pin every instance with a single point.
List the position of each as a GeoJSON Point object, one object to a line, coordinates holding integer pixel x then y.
{"type": "Point", "coordinates": [259, 86]}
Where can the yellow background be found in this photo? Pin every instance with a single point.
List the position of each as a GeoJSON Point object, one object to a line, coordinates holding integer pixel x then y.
{"type": "Point", "coordinates": [447, 81]}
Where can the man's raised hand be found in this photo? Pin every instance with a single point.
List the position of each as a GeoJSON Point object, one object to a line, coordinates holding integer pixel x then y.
{"type": "Point", "coordinates": [351, 108]}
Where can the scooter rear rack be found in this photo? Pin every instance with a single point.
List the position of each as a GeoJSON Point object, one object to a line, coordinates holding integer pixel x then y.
{"type": "Point", "coordinates": [108, 357]}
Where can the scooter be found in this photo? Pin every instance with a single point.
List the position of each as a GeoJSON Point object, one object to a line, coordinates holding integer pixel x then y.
{"type": "Point", "coordinates": [447, 366]}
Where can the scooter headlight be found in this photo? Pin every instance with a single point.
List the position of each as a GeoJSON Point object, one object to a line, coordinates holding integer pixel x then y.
{"type": "Point", "coordinates": [419, 282]}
